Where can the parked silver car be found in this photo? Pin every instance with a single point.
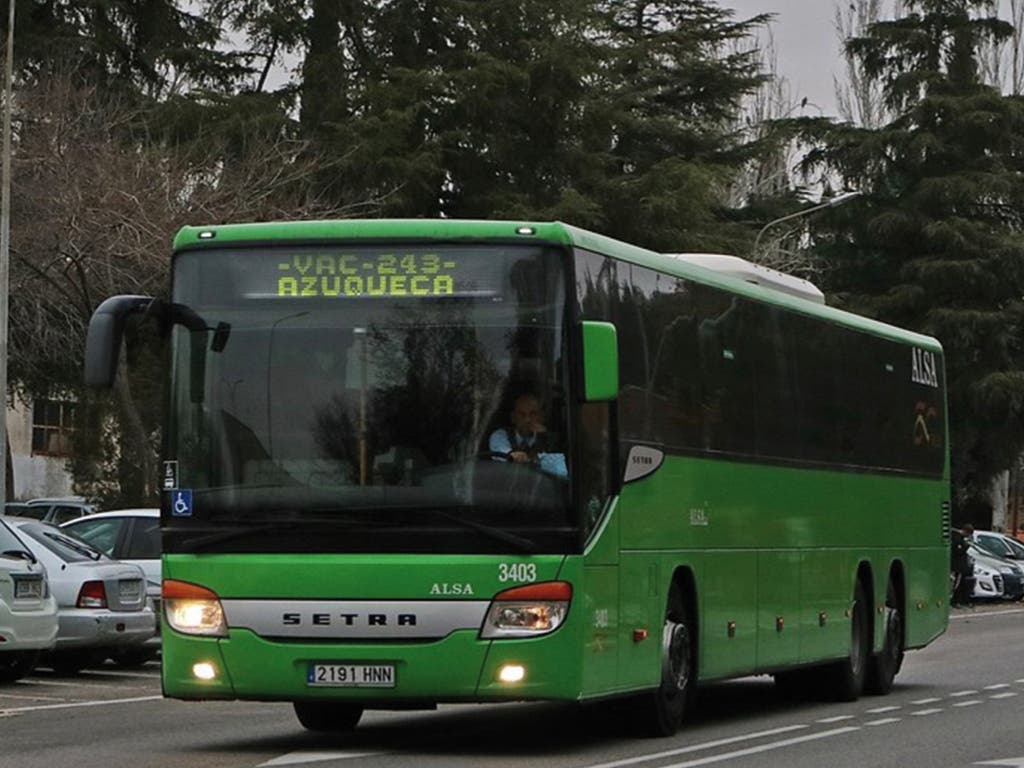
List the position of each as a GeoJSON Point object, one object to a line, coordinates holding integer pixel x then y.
{"type": "Point", "coordinates": [28, 610]}
{"type": "Point", "coordinates": [131, 536]}
{"type": "Point", "coordinates": [101, 603]}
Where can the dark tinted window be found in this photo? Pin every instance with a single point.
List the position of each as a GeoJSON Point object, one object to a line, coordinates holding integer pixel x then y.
{"type": "Point", "coordinates": [24, 510]}
{"type": "Point", "coordinates": [702, 370]}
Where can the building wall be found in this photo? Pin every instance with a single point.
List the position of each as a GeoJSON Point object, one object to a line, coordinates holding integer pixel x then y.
{"type": "Point", "coordinates": [34, 476]}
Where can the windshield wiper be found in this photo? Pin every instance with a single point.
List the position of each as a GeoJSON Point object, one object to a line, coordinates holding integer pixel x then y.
{"type": "Point", "coordinates": [521, 543]}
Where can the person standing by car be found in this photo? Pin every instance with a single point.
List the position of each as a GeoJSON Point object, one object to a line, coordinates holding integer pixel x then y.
{"type": "Point", "coordinates": [961, 566]}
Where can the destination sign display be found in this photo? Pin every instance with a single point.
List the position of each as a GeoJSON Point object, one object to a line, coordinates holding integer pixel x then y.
{"type": "Point", "coordinates": [361, 272]}
{"type": "Point", "coordinates": [395, 273]}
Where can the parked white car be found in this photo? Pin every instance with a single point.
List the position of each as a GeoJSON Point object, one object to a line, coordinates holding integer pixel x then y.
{"type": "Point", "coordinates": [999, 544]}
{"type": "Point", "coordinates": [28, 611]}
{"type": "Point", "coordinates": [102, 605]}
{"type": "Point", "coordinates": [995, 577]}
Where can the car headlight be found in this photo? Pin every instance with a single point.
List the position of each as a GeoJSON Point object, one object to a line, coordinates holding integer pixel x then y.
{"type": "Point", "coordinates": [1006, 570]}
{"type": "Point", "coordinates": [530, 611]}
{"type": "Point", "coordinates": [981, 571]}
{"type": "Point", "coordinates": [192, 609]}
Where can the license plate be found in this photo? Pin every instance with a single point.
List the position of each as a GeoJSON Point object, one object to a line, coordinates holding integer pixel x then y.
{"type": "Point", "coordinates": [28, 589]}
{"type": "Point", "coordinates": [351, 675]}
{"type": "Point", "coordinates": [130, 589]}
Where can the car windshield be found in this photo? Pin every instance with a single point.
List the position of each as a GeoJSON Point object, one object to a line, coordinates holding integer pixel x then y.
{"type": "Point", "coordinates": [344, 399]}
{"type": "Point", "coordinates": [67, 548]}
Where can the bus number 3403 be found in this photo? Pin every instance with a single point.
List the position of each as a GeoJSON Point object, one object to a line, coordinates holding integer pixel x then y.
{"type": "Point", "coordinates": [517, 572]}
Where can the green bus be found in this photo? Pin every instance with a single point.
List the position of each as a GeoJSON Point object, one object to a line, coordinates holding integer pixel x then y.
{"type": "Point", "coordinates": [733, 478]}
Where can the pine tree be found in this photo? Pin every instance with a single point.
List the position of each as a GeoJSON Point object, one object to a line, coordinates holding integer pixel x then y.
{"type": "Point", "coordinates": [936, 244]}
{"type": "Point", "coordinates": [612, 114]}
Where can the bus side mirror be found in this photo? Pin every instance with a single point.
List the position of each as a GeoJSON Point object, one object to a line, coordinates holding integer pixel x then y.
{"type": "Point", "coordinates": [106, 332]}
{"type": "Point", "coordinates": [600, 361]}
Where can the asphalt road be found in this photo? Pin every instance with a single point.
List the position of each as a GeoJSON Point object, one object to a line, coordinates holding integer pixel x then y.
{"type": "Point", "coordinates": [959, 702]}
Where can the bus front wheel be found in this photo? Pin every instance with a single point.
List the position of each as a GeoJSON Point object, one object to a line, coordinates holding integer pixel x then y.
{"type": "Point", "coordinates": [664, 709]}
{"type": "Point", "coordinates": [333, 716]}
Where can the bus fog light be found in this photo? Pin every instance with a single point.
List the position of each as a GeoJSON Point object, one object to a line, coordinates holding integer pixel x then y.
{"type": "Point", "coordinates": [512, 673]}
{"type": "Point", "coordinates": [204, 670]}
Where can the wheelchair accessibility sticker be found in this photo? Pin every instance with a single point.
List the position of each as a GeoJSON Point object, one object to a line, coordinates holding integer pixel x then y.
{"type": "Point", "coordinates": [181, 502]}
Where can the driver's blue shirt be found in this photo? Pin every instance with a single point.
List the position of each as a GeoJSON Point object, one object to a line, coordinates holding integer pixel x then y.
{"type": "Point", "coordinates": [551, 463]}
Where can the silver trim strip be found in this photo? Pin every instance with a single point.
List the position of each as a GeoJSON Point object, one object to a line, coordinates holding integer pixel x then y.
{"type": "Point", "coordinates": [355, 619]}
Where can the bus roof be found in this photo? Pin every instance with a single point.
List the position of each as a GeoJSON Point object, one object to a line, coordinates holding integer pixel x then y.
{"type": "Point", "coordinates": [456, 230]}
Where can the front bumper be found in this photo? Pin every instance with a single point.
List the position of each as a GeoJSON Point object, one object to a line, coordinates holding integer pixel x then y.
{"type": "Point", "coordinates": [460, 667]}
{"type": "Point", "coordinates": [100, 628]}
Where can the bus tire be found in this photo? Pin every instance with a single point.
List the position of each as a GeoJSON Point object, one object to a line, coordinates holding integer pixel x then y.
{"type": "Point", "coordinates": [848, 675]}
{"type": "Point", "coordinates": [885, 665]}
{"type": "Point", "coordinates": [664, 710]}
{"type": "Point", "coordinates": [327, 716]}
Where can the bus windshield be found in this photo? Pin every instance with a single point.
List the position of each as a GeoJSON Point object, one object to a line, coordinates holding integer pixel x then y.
{"type": "Point", "coordinates": [344, 399]}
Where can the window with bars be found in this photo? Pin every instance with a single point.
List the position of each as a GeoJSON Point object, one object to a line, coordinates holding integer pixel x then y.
{"type": "Point", "coordinates": [53, 424]}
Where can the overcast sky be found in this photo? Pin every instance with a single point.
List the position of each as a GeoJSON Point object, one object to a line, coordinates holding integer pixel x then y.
{"type": "Point", "coordinates": [806, 43]}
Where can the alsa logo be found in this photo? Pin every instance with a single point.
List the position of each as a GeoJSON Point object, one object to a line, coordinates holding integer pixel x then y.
{"type": "Point", "coordinates": [451, 589]}
{"type": "Point", "coordinates": [924, 368]}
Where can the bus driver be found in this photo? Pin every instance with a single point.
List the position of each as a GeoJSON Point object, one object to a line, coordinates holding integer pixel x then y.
{"type": "Point", "coordinates": [527, 440]}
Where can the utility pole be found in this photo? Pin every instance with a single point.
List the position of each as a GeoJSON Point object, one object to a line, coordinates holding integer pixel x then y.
{"type": "Point", "coordinates": [5, 244]}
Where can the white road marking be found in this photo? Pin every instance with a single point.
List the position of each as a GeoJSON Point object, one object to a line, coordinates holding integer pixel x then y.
{"type": "Point", "coordinates": [1013, 762]}
{"type": "Point", "coordinates": [925, 701]}
{"type": "Point", "coordinates": [111, 673]}
{"type": "Point", "coordinates": [996, 687]}
{"type": "Point", "coordinates": [70, 705]}
{"type": "Point", "coordinates": [298, 758]}
{"type": "Point", "coordinates": [962, 693]}
{"type": "Point", "coordinates": [883, 721]}
{"type": "Point", "coordinates": [880, 710]}
{"type": "Point", "coordinates": [66, 684]}
{"type": "Point", "coordinates": [983, 614]}
{"type": "Point", "coordinates": [925, 712]}
{"type": "Point", "coordinates": [1007, 695]}
{"type": "Point", "coordinates": [699, 747]}
{"type": "Point", "coordinates": [764, 748]}
{"type": "Point", "coordinates": [968, 703]}
{"type": "Point", "coordinates": [31, 698]}
{"type": "Point", "coordinates": [836, 719]}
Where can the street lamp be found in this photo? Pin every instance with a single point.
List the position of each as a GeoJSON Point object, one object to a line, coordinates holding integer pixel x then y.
{"type": "Point", "coordinates": [832, 203]}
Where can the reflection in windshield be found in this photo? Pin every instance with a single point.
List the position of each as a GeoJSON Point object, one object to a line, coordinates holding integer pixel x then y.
{"type": "Point", "coordinates": [333, 405]}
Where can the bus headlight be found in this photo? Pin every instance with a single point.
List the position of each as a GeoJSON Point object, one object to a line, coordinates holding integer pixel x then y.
{"type": "Point", "coordinates": [193, 610]}
{"type": "Point", "coordinates": [529, 611]}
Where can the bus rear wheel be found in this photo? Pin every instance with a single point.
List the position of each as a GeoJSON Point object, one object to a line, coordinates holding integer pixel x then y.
{"type": "Point", "coordinates": [885, 665]}
{"type": "Point", "coordinates": [324, 716]}
{"type": "Point", "coordinates": [847, 676]}
{"type": "Point", "coordinates": [664, 710]}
